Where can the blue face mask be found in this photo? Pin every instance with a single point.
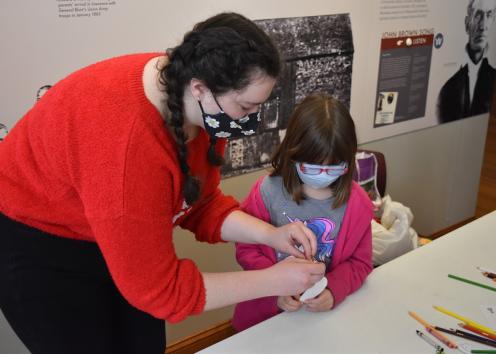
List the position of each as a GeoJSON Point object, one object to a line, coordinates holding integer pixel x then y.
{"type": "Point", "coordinates": [221, 125]}
{"type": "Point", "coordinates": [320, 176]}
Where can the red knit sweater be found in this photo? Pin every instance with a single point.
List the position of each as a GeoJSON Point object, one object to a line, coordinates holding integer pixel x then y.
{"type": "Point", "coordinates": [92, 160]}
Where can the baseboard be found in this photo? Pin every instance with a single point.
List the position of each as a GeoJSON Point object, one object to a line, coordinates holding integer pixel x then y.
{"type": "Point", "coordinates": [201, 340]}
{"type": "Point", "coordinates": [450, 228]}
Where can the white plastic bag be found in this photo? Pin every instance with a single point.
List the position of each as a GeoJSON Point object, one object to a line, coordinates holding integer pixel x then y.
{"type": "Point", "coordinates": [393, 236]}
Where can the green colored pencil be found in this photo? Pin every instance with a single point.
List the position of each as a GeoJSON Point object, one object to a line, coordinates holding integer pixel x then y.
{"type": "Point", "coordinates": [482, 351]}
{"type": "Point", "coordinates": [472, 282]}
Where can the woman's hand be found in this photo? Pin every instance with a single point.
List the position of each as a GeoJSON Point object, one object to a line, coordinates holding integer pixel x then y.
{"type": "Point", "coordinates": [288, 277]}
{"type": "Point", "coordinates": [323, 302]}
{"type": "Point", "coordinates": [294, 275]}
{"type": "Point", "coordinates": [241, 227]}
{"type": "Point", "coordinates": [288, 237]}
{"type": "Point", "coordinates": [289, 303]}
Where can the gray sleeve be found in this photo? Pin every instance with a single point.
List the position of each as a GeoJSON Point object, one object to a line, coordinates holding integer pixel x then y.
{"type": "Point", "coordinates": [265, 192]}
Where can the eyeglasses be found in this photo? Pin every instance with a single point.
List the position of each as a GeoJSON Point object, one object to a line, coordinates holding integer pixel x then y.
{"type": "Point", "coordinates": [331, 170]}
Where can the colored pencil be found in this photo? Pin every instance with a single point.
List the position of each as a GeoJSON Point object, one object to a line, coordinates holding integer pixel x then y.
{"type": "Point", "coordinates": [486, 340]}
{"type": "Point", "coordinates": [478, 331]}
{"type": "Point", "coordinates": [472, 282]}
{"type": "Point", "coordinates": [468, 336]}
{"type": "Point", "coordinates": [466, 320]}
{"type": "Point", "coordinates": [489, 275]}
{"type": "Point", "coordinates": [430, 328]}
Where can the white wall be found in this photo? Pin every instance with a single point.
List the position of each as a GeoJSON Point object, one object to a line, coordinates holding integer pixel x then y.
{"type": "Point", "coordinates": [436, 171]}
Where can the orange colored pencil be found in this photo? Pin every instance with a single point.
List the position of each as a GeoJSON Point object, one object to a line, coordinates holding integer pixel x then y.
{"type": "Point", "coordinates": [430, 328]}
{"type": "Point", "coordinates": [477, 330]}
{"type": "Point", "coordinates": [414, 315]}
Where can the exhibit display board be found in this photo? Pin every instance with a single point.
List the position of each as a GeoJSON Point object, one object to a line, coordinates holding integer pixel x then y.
{"type": "Point", "coordinates": [400, 65]}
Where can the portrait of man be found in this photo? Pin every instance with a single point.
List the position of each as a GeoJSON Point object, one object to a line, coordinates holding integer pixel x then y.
{"type": "Point", "coordinates": [469, 91]}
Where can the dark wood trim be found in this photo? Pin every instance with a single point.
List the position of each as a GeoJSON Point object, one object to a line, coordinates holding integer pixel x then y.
{"type": "Point", "coordinates": [450, 228]}
{"type": "Point", "coordinates": [486, 201]}
{"type": "Point", "coordinates": [201, 340]}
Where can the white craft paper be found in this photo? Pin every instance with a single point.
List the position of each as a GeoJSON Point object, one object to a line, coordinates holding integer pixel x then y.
{"type": "Point", "coordinates": [315, 290]}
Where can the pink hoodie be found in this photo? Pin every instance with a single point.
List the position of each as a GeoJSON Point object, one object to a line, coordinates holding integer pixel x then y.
{"type": "Point", "coordinates": [351, 260]}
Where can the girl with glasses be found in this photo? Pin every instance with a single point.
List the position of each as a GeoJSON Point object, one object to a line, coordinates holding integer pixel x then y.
{"type": "Point", "coordinates": [311, 183]}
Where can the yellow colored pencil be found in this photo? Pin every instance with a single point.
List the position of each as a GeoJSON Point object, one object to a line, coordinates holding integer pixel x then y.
{"type": "Point", "coordinates": [466, 320]}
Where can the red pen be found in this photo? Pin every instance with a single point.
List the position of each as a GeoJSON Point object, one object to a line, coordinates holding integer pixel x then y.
{"type": "Point", "coordinates": [476, 330]}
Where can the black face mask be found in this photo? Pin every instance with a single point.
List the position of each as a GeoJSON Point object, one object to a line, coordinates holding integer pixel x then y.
{"type": "Point", "coordinates": [221, 125]}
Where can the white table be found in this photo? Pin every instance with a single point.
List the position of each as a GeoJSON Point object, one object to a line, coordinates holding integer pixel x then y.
{"type": "Point", "coordinates": [375, 318]}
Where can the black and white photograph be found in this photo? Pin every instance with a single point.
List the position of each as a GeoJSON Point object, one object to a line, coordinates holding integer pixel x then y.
{"type": "Point", "coordinates": [469, 91]}
{"type": "Point", "coordinates": [386, 107]}
{"type": "Point", "coordinates": [318, 55]}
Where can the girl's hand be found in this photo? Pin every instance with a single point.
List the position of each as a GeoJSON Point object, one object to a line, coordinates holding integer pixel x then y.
{"type": "Point", "coordinates": [323, 302]}
{"type": "Point", "coordinates": [288, 237]}
{"type": "Point", "coordinates": [293, 276]}
{"type": "Point", "coordinates": [289, 303]}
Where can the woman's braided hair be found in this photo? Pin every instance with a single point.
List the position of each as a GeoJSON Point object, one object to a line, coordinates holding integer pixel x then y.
{"type": "Point", "coordinates": [224, 52]}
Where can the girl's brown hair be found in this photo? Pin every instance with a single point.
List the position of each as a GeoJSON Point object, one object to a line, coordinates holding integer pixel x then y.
{"type": "Point", "coordinates": [320, 131]}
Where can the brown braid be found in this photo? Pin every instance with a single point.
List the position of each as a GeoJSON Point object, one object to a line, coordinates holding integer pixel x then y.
{"type": "Point", "coordinates": [223, 52]}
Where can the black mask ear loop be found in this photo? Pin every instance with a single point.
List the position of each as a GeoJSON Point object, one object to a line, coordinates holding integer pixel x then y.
{"type": "Point", "coordinates": [201, 107]}
{"type": "Point", "coordinates": [218, 105]}
{"type": "Point", "coordinates": [211, 155]}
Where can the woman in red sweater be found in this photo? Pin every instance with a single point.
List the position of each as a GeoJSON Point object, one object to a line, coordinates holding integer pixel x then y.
{"type": "Point", "coordinates": [96, 175]}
